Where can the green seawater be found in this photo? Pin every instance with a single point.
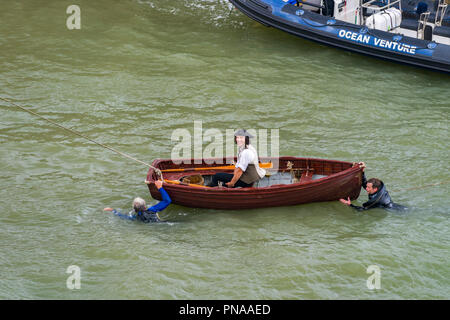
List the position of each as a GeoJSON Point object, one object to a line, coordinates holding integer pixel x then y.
{"type": "Point", "coordinates": [136, 71]}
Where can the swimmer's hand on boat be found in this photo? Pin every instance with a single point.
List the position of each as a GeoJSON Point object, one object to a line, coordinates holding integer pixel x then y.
{"type": "Point", "coordinates": [362, 165]}
{"type": "Point", "coordinates": [158, 183]}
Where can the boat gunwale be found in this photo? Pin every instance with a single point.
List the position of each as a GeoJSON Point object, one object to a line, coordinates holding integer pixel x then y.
{"type": "Point", "coordinates": [255, 190]}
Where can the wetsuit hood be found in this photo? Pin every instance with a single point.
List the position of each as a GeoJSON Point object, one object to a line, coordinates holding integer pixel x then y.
{"type": "Point", "coordinates": [381, 198]}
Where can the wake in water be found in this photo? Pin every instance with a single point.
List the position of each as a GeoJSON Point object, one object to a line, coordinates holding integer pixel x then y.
{"type": "Point", "coordinates": [216, 12]}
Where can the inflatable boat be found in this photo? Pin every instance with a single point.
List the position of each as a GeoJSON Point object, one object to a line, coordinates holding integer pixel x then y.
{"type": "Point", "coordinates": [411, 32]}
{"type": "Point", "coordinates": [292, 181]}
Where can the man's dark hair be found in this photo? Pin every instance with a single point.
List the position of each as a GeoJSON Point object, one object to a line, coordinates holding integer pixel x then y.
{"type": "Point", "coordinates": [376, 183]}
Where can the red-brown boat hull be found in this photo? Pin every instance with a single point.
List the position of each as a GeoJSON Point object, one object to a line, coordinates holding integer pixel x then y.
{"type": "Point", "coordinates": [343, 180]}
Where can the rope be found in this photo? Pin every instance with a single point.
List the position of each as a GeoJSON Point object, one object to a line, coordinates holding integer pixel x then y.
{"type": "Point", "coordinates": [424, 186]}
{"type": "Point", "coordinates": [83, 136]}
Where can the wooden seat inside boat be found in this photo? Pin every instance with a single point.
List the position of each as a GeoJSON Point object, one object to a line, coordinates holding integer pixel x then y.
{"type": "Point", "coordinates": [306, 176]}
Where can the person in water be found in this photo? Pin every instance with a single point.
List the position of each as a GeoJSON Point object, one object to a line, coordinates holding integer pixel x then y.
{"type": "Point", "coordinates": [378, 195]}
{"type": "Point", "coordinates": [142, 213]}
{"type": "Point", "coordinates": [247, 170]}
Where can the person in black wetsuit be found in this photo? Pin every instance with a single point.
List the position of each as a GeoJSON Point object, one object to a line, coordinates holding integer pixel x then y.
{"type": "Point", "coordinates": [378, 195]}
{"type": "Point", "coordinates": [142, 213]}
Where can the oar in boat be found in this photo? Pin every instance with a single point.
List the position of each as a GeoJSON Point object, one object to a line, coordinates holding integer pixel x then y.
{"type": "Point", "coordinates": [185, 184]}
{"type": "Point", "coordinates": [182, 183]}
{"type": "Point", "coordinates": [267, 165]}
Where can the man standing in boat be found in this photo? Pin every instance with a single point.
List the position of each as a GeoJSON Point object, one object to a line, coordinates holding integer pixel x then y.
{"type": "Point", "coordinates": [141, 212]}
{"type": "Point", "coordinates": [378, 195]}
{"type": "Point", "coordinates": [247, 170]}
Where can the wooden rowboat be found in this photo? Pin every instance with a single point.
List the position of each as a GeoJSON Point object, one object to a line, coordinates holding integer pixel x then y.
{"type": "Point", "coordinates": [295, 181]}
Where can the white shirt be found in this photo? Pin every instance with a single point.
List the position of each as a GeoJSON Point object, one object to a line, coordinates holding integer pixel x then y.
{"type": "Point", "coordinates": [249, 156]}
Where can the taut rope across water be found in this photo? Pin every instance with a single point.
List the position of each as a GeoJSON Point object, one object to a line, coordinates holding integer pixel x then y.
{"type": "Point", "coordinates": [424, 186]}
{"type": "Point", "coordinates": [83, 136]}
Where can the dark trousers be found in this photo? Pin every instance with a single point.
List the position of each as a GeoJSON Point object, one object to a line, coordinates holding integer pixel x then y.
{"type": "Point", "coordinates": [227, 177]}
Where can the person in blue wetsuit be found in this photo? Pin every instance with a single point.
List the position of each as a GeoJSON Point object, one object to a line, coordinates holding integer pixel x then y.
{"type": "Point", "coordinates": [142, 213]}
{"type": "Point", "coordinates": [378, 195]}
